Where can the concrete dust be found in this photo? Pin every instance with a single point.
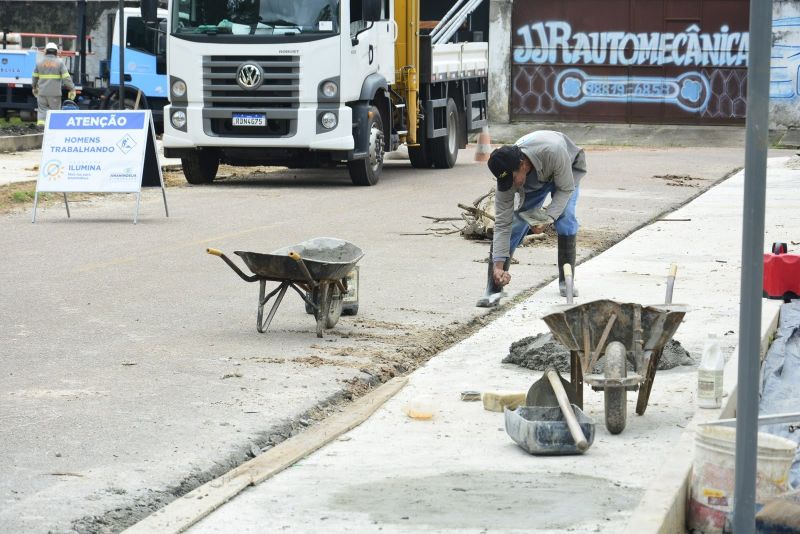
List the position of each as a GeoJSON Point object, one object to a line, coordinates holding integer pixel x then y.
{"type": "Point", "coordinates": [679, 180]}
{"type": "Point", "coordinates": [500, 500]}
{"type": "Point", "coordinates": [541, 352]}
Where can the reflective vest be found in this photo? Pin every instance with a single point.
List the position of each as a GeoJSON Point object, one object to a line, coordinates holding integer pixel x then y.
{"type": "Point", "coordinates": [49, 75]}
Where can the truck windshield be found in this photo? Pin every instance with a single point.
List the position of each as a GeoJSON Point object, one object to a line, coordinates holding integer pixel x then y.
{"type": "Point", "coordinates": [255, 17]}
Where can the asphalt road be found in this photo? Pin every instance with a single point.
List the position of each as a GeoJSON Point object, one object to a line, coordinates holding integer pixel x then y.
{"type": "Point", "coordinates": [132, 369]}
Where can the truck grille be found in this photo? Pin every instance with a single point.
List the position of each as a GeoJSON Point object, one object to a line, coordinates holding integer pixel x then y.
{"type": "Point", "coordinates": [280, 88]}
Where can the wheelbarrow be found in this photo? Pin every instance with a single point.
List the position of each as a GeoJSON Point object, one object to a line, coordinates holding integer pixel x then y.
{"type": "Point", "coordinates": [615, 332]}
{"type": "Point", "coordinates": [316, 269]}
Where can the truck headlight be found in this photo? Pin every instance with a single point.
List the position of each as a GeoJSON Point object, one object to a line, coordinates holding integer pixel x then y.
{"type": "Point", "coordinates": [179, 88]}
{"type": "Point", "coordinates": [329, 89]}
{"type": "Point", "coordinates": [328, 120]}
{"type": "Point", "coordinates": [178, 119]}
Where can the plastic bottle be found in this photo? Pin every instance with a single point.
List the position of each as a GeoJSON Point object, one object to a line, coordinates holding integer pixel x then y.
{"type": "Point", "coordinates": [709, 374]}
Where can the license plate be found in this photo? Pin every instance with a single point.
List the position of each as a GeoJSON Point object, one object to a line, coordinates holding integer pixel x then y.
{"type": "Point", "coordinates": [249, 119]}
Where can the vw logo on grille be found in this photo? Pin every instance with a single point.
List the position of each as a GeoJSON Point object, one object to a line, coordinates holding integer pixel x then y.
{"type": "Point", "coordinates": [249, 76]}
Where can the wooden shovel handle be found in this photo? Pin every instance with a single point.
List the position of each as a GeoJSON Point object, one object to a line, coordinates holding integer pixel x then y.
{"type": "Point", "coordinates": [566, 409]}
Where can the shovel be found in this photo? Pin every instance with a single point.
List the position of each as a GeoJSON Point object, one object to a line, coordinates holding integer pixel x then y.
{"type": "Point", "coordinates": [549, 390]}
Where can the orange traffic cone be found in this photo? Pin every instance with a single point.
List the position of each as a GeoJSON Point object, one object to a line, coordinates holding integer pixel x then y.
{"type": "Point", "coordinates": [484, 145]}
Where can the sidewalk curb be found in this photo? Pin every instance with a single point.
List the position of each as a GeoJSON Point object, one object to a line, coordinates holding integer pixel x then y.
{"type": "Point", "coordinates": [17, 143]}
{"type": "Point", "coordinates": [185, 511]}
{"type": "Point", "coordinates": [664, 509]}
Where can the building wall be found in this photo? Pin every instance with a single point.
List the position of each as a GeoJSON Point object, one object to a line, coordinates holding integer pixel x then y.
{"type": "Point", "coordinates": [636, 61]}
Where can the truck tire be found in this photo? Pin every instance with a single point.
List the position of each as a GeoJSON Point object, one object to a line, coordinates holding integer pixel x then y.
{"type": "Point", "coordinates": [367, 171]}
{"type": "Point", "coordinates": [444, 150]}
{"type": "Point", "coordinates": [200, 167]}
{"type": "Point", "coordinates": [420, 156]}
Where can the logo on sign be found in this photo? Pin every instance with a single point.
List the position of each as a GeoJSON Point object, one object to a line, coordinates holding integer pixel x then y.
{"type": "Point", "coordinates": [126, 144]}
{"type": "Point", "coordinates": [249, 76]}
{"type": "Point", "coordinates": [53, 169]}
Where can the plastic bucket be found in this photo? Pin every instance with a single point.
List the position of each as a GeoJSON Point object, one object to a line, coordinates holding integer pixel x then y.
{"type": "Point", "coordinates": [711, 492]}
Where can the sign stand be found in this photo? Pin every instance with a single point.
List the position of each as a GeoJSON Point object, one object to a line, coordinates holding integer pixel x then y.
{"type": "Point", "coordinates": [99, 152]}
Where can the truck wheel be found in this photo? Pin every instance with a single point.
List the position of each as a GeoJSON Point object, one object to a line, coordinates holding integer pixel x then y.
{"type": "Point", "coordinates": [420, 156]}
{"type": "Point", "coordinates": [200, 167]}
{"type": "Point", "coordinates": [367, 171]}
{"type": "Point", "coordinates": [27, 116]}
{"type": "Point", "coordinates": [445, 149]}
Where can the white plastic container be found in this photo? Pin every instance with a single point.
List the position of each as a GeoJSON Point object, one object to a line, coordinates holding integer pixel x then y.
{"type": "Point", "coordinates": [709, 375]}
{"type": "Point", "coordinates": [711, 498]}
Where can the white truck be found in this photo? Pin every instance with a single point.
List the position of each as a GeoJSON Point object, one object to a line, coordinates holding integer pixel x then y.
{"type": "Point", "coordinates": [318, 83]}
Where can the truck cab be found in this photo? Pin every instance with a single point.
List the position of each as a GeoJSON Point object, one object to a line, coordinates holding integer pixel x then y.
{"type": "Point", "coordinates": [306, 83]}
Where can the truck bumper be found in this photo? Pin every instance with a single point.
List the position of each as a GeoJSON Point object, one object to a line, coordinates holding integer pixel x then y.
{"type": "Point", "coordinates": [304, 133]}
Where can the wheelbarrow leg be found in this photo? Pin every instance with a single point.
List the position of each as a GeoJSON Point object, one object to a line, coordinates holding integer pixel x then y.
{"type": "Point", "coordinates": [576, 376]}
{"type": "Point", "coordinates": [323, 306]}
{"type": "Point", "coordinates": [647, 384]}
{"type": "Point", "coordinates": [262, 325]}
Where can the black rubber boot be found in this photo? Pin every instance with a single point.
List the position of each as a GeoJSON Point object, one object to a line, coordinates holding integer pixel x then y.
{"type": "Point", "coordinates": [566, 254]}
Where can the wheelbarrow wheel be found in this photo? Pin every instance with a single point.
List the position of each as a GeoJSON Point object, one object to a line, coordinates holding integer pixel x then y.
{"type": "Point", "coordinates": [328, 299]}
{"type": "Point", "coordinates": [616, 400]}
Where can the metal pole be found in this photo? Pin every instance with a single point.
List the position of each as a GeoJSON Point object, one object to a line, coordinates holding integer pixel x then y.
{"type": "Point", "coordinates": [81, 75]}
{"type": "Point", "coordinates": [755, 174]}
{"type": "Point", "coordinates": [121, 48]}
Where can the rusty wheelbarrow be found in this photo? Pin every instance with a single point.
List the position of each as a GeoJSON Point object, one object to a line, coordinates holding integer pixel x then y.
{"type": "Point", "coordinates": [317, 269]}
{"type": "Point", "coordinates": [617, 332]}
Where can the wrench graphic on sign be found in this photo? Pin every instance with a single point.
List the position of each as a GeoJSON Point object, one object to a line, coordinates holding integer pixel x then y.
{"type": "Point", "coordinates": [690, 91]}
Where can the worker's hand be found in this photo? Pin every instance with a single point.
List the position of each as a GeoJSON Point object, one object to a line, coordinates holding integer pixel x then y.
{"type": "Point", "coordinates": [71, 95]}
{"type": "Point", "coordinates": [35, 91]}
{"type": "Point", "coordinates": [539, 228]}
{"type": "Point", "coordinates": [501, 277]}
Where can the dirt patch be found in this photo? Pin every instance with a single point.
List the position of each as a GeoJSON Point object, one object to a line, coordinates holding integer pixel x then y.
{"type": "Point", "coordinates": [679, 180]}
{"type": "Point", "coordinates": [18, 196]}
{"type": "Point", "coordinates": [24, 128]}
{"type": "Point", "coordinates": [542, 351]}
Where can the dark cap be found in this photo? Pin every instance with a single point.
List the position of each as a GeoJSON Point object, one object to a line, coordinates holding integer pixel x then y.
{"type": "Point", "coordinates": [503, 162]}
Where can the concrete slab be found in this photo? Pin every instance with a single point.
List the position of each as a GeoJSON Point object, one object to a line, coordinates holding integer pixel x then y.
{"type": "Point", "coordinates": [16, 143]}
{"type": "Point", "coordinates": [791, 139]}
{"type": "Point", "coordinates": [461, 471]}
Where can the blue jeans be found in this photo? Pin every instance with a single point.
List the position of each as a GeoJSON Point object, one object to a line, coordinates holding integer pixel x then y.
{"type": "Point", "coordinates": [566, 224]}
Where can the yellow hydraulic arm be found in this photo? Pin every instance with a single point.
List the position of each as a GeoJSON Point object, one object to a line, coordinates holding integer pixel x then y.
{"type": "Point", "coordinates": [406, 60]}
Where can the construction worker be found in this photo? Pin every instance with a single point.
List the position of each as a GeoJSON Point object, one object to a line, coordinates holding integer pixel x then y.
{"type": "Point", "coordinates": [49, 76]}
{"type": "Point", "coordinates": [540, 163]}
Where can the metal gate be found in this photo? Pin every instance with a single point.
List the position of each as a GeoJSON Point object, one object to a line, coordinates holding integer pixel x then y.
{"type": "Point", "coordinates": [653, 61]}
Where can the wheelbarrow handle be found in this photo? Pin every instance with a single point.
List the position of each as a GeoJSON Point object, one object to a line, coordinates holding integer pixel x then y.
{"type": "Point", "coordinates": [673, 272]}
{"type": "Point", "coordinates": [566, 409]}
{"type": "Point", "coordinates": [296, 257]}
{"type": "Point", "coordinates": [236, 269]}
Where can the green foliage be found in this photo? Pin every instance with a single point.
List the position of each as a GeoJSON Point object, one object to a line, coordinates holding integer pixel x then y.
{"type": "Point", "coordinates": [22, 196]}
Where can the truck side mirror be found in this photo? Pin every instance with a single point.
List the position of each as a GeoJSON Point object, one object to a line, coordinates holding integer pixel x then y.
{"type": "Point", "coordinates": [149, 9]}
{"type": "Point", "coordinates": [371, 10]}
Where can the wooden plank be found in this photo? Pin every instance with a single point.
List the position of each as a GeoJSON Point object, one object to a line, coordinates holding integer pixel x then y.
{"type": "Point", "coordinates": [185, 511]}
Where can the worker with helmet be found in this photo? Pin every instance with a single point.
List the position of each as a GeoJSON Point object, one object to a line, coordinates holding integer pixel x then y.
{"type": "Point", "coordinates": [49, 76]}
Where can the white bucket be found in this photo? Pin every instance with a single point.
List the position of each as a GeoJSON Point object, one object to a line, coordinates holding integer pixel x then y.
{"type": "Point", "coordinates": [711, 497]}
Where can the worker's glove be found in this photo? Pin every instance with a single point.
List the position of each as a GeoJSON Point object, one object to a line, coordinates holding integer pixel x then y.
{"type": "Point", "coordinates": [71, 95]}
{"type": "Point", "coordinates": [36, 92]}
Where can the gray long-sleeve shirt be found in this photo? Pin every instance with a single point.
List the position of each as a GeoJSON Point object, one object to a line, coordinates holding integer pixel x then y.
{"type": "Point", "coordinates": [556, 159]}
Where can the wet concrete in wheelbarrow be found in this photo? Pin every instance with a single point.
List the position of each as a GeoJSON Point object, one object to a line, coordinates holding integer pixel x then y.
{"type": "Point", "coordinates": [541, 352]}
